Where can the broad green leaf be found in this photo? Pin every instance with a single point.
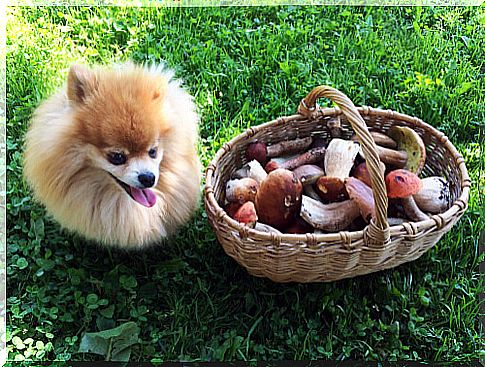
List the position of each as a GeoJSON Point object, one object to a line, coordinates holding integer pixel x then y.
{"type": "Point", "coordinates": [114, 344]}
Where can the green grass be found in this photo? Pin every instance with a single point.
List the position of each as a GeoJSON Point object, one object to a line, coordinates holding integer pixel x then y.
{"type": "Point", "coordinates": [246, 66]}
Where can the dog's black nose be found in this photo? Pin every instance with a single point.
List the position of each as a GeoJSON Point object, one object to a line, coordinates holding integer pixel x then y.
{"type": "Point", "coordinates": [147, 179]}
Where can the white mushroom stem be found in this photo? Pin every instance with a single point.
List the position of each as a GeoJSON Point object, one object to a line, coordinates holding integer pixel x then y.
{"type": "Point", "coordinates": [434, 196]}
{"type": "Point", "coordinates": [340, 157]}
{"type": "Point", "coordinates": [380, 139]}
{"type": "Point", "coordinates": [411, 209]}
{"type": "Point", "coordinates": [328, 217]}
{"type": "Point", "coordinates": [394, 158]}
{"type": "Point", "coordinates": [256, 171]}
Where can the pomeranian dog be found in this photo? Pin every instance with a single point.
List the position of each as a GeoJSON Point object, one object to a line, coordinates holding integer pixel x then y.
{"type": "Point", "coordinates": [113, 155]}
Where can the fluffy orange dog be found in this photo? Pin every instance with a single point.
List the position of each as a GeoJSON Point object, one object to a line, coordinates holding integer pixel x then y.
{"type": "Point", "coordinates": [113, 156]}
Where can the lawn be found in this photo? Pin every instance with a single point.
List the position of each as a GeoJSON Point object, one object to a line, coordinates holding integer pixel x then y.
{"type": "Point", "coordinates": [188, 300]}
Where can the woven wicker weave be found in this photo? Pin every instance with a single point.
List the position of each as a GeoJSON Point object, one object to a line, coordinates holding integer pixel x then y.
{"type": "Point", "coordinates": [328, 257]}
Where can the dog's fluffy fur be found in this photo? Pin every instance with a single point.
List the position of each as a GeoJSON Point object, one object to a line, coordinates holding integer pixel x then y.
{"type": "Point", "coordinates": [102, 113]}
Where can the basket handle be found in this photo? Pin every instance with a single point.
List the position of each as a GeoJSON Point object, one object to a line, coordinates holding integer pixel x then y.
{"type": "Point", "coordinates": [378, 230]}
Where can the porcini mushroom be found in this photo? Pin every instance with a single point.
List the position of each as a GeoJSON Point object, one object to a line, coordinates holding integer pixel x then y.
{"type": "Point", "coordinates": [328, 217]}
{"type": "Point", "coordinates": [409, 141]}
{"type": "Point", "coordinates": [261, 152]}
{"type": "Point", "coordinates": [299, 226]}
{"type": "Point", "coordinates": [312, 156]}
{"type": "Point", "coordinates": [246, 214]}
{"type": "Point", "coordinates": [241, 190]}
{"type": "Point", "coordinates": [434, 196]}
{"type": "Point", "coordinates": [386, 150]}
{"type": "Point", "coordinates": [331, 189]}
{"type": "Point", "coordinates": [340, 157]}
{"type": "Point", "coordinates": [308, 173]}
{"type": "Point", "coordinates": [231, 208]}
{"type": "Point", "coordinates": [338, 162]}
{"type": "Point", "coordinates": [256, 171]}
{"type": "Point", "coordinates": [380, 139]}
{"type": "Point", "coordinates": [363, 196]}
{"type": "Point", "coordinates": [252, 170]}
{"type": "Point", "coordinates": [257, 151]}
{"type": "Point", "coordinates": [278, 198]}
{"type": "Point", "coordinates": [390, 157]}
{"type": "Point", "coordinates": [403, 184]}
{"type": "Point", "coordinates": [362, 173]}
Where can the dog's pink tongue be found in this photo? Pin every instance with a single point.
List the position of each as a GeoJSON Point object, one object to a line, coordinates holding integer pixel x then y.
{"type": "Point", "coordinates": [145, 197]}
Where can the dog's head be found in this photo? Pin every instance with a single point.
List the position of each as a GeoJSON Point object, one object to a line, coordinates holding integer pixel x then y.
{"type": "Point", "coordinates": [119, 116]}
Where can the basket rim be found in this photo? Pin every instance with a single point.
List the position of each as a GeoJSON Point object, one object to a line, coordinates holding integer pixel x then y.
{"type": "Point", "coordinates": [438, 220]}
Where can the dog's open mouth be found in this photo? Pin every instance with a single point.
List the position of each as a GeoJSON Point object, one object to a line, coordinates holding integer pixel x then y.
{"type": "Point", "coordinates": [145, 197]}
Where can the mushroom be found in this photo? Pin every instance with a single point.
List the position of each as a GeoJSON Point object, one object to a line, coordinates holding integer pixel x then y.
{"type": "Point", "coordinates": [362, 173]}
{"type": "Point", "coordinates": [403, 184]}
{"type": "Point", "coordinates": [386, 150]}
{"type": "Point", "coordinates": [261, 152]}
{"type": "Point", "coordinates": [363, 196]}
{"type": "Point", "coordinates": [278, 198]}
{"type": "Point", "coordinates": [390, 157]}
{"type": "Point", "coordinates": [312, 156]}
{"type": "Point", "coordinates": [434, 196]}
{"type": "Point", "coordinates": [241, 190]}
{"type": "Point", "coordinates": [319, 142]}
{"type": "Point", "coordinates": [328, 217]}
{"type": "Point", "coordinates": [409, 141]}
{"type": "Point", "coordinates": [308, 173]}
{"type": "Point", "coordinates": [309, 190]}
{"type": "Point", "coordinates": [380, 139]}
{"type": "Point", "coordinates": [232, 208]}
{"type": "Point", "coordinates": [246, 214]}
{"type": "Point", "coordinates": [331, 189]}
{"type": "Point", "coordinates": [252, 170]}
{"type": "Point", "coordinates": [256, 171]}
{"type": "Point", "coordinates": [242, 172]}
{"type": "Point", "coordinates": [257, 151]}
{"type": "Point", "coordinates": [299, 226]}
{"type": "Point", "coordinates": [339, 159]}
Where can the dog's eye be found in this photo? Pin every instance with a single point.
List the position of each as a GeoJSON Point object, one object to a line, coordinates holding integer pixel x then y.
{"type": "Point", "coordinates": [152, 153]}
{"type": "Point", "coordinates": [117, 158]}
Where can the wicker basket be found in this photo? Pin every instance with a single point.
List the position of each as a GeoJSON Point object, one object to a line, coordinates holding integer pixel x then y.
{"type": "Point", "coordinates": [328, 257]}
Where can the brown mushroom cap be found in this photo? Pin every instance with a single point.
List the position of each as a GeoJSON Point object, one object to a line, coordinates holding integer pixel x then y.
{"type": "Point", "coordinates": [331, 189]}
{"type": "Point", "coordinates": [308, 172]}
{"type": "Point", "coordinates": [241, 190]}
{"type": "Point", "coordinates": [271, 166]}
{"type": "Point", "coordinates": [401, 183]}
{"type": "Point", "coordinates": [257, 151]}
{"type": "Point", "coordinates": [362, 173]}
{"type": "Point", "coordinates": [278, 198]}
{"type": "Point", "coordinates": [409, 141]}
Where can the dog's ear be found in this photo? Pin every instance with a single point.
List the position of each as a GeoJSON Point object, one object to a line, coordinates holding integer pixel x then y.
{"type": "Point", "coordinates": [81, 81]}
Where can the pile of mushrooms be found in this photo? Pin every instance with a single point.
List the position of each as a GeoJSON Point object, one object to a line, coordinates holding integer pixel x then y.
{"type": "Point", "coordinates": [305, 185]}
